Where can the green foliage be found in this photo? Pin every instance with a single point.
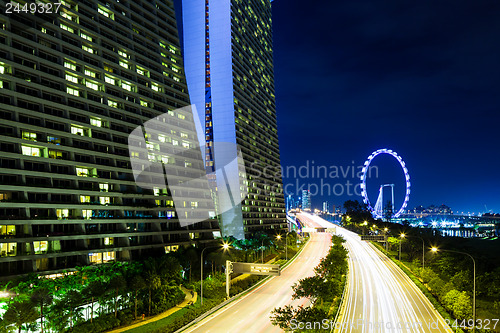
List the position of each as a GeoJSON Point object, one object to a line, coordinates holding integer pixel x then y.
{"type": "Point", "coordinates": [322, 289]}
{"type": "Point", "coordinates": [19, 314]}
{"type": "Point", "coordinates": [459, 303]}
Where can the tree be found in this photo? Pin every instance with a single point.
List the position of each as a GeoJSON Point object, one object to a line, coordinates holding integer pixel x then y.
{"type": "Point", "coordinates": [459, 303]}
{"type": "Point", "coordinates": [116, 284]}
{"type": "Point", "coordinates": [153, 282]}
{"type": "Point", "coordinates": [20, 313]}
{"type": "Point", "coordinates": [93, 290]}
{"type": "Point", "coordinates": [72, 300]}
{"type": "Point", "coordinates": [41, 297]}
{"type": "Point", "coordinates": [137, 284]}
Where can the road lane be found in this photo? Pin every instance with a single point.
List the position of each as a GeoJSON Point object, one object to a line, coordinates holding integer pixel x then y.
{"type": "Point", "coordinates": [381, 297]}
{"type": "Point", "coordinates": [251, 313]}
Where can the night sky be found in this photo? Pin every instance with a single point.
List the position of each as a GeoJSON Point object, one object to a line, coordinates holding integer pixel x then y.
{"type": "Point", "coordinates": [421, 78]}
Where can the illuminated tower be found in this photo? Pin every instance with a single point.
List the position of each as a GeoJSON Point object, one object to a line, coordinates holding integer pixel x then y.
{"type": "Point", "coordinates": [229, 70]}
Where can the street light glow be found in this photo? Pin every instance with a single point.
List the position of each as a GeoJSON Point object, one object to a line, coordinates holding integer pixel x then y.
{"type": "Point", "coordinates": [434, 249]}
{"type": "Point", "coordinates": [278, 237]}
{"type": "Point", "coordinates": [225, 246]}
{"type": "Point", "coordinates": [402, 235]}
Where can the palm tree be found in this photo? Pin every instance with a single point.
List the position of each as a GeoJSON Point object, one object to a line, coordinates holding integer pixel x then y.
{"type": "Point", "coordinates": [137, 284]}
{"type": "Point", "coordinates": [42, 297]}
{"type": "Point", "coordinates": [117, 283]}
{"type": "Point", "coordinates": [73, 299]}
{"type": "Point", "coordinates": [95, 289]}
{"type": "Point", "coordinates": [153, 282]}
{"type": "Point", "coordinates": [20, 313]}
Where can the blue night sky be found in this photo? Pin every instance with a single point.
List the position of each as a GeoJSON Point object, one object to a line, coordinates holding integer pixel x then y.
{"type": "Point", "coordinates": [421, 78]}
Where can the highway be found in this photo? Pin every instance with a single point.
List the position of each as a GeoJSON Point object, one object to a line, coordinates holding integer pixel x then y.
{"type": "Point", "coordinates": [380, 297]}
{"type": "Point", "coordinates": [251, 313]}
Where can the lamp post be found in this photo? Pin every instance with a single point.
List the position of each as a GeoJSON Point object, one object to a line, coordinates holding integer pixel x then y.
{"type": "Point", "coordinates": [423, 249]}
{"type": "Point", "coordinates": [435, 249]}
{"type": "Point", "coordinates": [401, 241]}
{"type": "Point", "coordinates": [225, 246]}
{"type": "Point", "coordinates": [385, 234]}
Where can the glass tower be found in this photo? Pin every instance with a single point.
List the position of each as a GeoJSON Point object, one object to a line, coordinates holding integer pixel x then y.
{"type": "Point", "coordinates": [229, 69]}
{"type": "Point", "coordinates": [74, 86]}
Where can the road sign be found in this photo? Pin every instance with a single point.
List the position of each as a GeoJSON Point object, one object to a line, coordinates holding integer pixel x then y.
{"type": "Point", "coordinates": [376, 238]}
{"type": "Point", "coordinates": [256, 269]}
{"type": "Point", "coordinates": [332, 230]}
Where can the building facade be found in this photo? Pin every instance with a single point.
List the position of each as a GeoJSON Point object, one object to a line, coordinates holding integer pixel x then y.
{"type": "Point", "coordinates": [229, 69]}
{"type": "Point", "coordinates": [74, 86]}
{"type": "Point", "coordinates": [306, 199]}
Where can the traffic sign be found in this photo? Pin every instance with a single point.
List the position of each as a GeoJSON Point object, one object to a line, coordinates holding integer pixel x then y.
{"type": "Point", "coordinates": [256, 269]}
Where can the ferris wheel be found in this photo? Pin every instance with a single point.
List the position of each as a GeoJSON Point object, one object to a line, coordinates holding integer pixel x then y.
{"type": "Point", "coordinates": [377, 210]}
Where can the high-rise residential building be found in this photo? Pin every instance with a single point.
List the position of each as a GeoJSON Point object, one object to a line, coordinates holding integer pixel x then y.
{"type": "Point", "coordinates": [228, 57]}
{"type": "Point", "coordinates": [306, 199]}
{"type": "Point", "coordinates": [74, 85]}
{"type": "Point", "coordinates": [326, 206]}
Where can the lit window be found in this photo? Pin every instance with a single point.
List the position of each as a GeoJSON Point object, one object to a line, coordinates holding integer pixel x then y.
{"type": "Point", "coordinates": [92, 85]}
{"type": "Point", "coordinates": [70, 65]}
{"type": "Point", "coordinates": [156, 191]}
{"type": "Point", "coordinates": [142, 71]}
{"type": "Point", "coordinates": [84, 198]}
{"type": "Point", "coordinates": [40, 247]}
{"type": "Point", "coordinates": [87, 214]}
{"type": "Point", "coordinates": [104, 200]}
{"type": "Point", "coordinates": [95, 258]}
{"type": "Point", "coordinates": [2, 69]}
{"type": "Point", "coordinates": [184, 135]}
{"type": "Point", "coordinates": [112, 103]}
{"type": "Point", "coordinates": [67, 28]}
{"type": "Point", "coordinates": [194, 204]}
{"type": "Point", "coordinates": [181, 116]}
{"type": "Point", "coordinates": [8, 249]}
{"type": "Point", "coordinates": [123, 54]}
{"type": "Point", "coordinates": [29, 136]}
{"type": "Point", "coordinates": [123, 64]}
{"type": "Point", "coordinates": [31, 151]}
{"type": "Point", "coordinates": [164, 138]}
{"type": "Point", "coordinates": [78, 130]}
{"type": "Point", "coordinates": [108, 69]}
{"type": "Point", "coordinates": [54, 140]}
{"type": "Point", "coordinates": [126, 86]}
{"type": "Point", "coordinates": [82, 172]}
{"type": "Point", "coordinates": [72, 91]}
{"type": "Point", "coordinates": [176, 79]}
{"type": "Point", "coordinates": [165, 159]}
{"type": "Point", "coordinates": [108, 256]}
{"type": "Point", "coordinates": [62, 213]}
{"type": "Point", "coordinates": [96, 122]}
{"type": "Point", "coordinates": [171, 113]}
{"type": "Point", "coordinates": [109, 240]}
{"type": "Point", "coordinates": [90, 72]}
{"type": "Point", "coordinates": [175, 69]}
{"type": "Point", "coordinates": [175, 142]}
{"type": "Point", "coordinates": [144, 103]}
{"type": "Point", "coordinates": [71, 78]}
{"type": "Point", "coordinates": [7, 230]}
{"type": "Point", "coordinates": [134, 154]}
{"type": "Point", "coordinates": [55, 154]}
{"type": "Point", "coordinates": [109, 80]}
{"type": "Point", "coordinates": [105, 12]}
{"type": "Point", "coordinates": [88, 49]}
{"type": "Point", "coordinates": [185, 144]}
{"type": "Point", "coordinates": [104, 187]}
{"type": "Point", "coordinates": [155, 86]}
{"type": "Point", "coordinates": [187, 164]}
{"type": "Point", "coordinates": [85, 36]}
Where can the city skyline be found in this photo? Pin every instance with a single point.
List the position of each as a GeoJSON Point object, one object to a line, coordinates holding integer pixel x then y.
{"type": "Point", "coordinates": [422, 80]}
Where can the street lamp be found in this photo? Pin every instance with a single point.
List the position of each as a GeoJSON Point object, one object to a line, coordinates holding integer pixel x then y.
{"type": "Point", "coordinates": [385, 234]}
{"type": "Point", "coordinates": [435, 250]}
{"type": "Point", "coordinates": [401, 241]}
{"type": "Point", "coordinates": [423, 249]}
{"type": "Point", "coordinates": [225, 246]}
{"type": "Point", "coordinates": [262, 251]}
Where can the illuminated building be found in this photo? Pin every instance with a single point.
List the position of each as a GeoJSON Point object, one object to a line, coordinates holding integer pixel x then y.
{"type": "Point", "coordinates": [72, 90]}
{"type": "Point", "coordinates": [229, 69]}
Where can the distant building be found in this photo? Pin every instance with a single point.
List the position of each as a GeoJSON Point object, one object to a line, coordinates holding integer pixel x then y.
{"type": "Point", "coordinates": [432, 209]}
{"type": "Point", "coordinates": [306, 199]}
{"type": "Point", "coordinates": [326, 206]}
